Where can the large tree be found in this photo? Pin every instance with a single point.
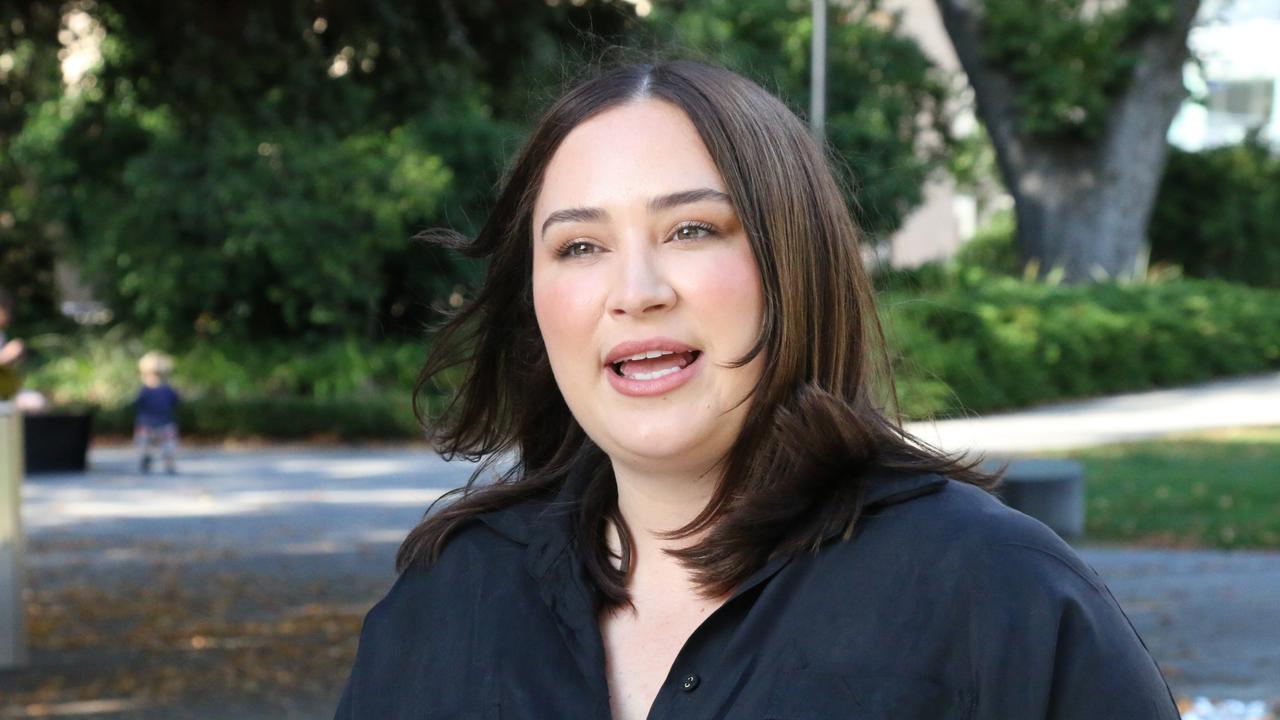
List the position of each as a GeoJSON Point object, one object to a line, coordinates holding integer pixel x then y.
{"type": "Point", "coordinates": [1077, 96]}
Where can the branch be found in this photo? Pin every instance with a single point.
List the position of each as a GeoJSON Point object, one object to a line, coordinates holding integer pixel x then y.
{"type": "Point", "coordinates": [1155, 84]}
{"type": "Point", "coordinates": [994, 91]}
{"type": "Point", "coordinates": [1134, 140]}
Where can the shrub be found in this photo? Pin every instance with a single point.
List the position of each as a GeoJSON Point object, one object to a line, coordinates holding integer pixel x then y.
{"type": "Point", "coordinates": [921, 278]}
{"type": "Point", "coordinates": [993, 247]}
{"type": "Point", "coordinates": [993, 250]}
{"type": "Point", "coordinates": [1216, 214]}
{"type": "Point", "coordinates": [287, 417]}
{"type": "Point", "coordinates": [344, 389]}
{"type": "Point", "coordinates": [102, 368]}
{"type": "Point", "coordinates": [287, 230]}
{"type": "Point", "coordinates": [999, 343]}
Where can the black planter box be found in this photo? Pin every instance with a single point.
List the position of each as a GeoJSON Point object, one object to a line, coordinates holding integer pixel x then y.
{"type": "Point", "coordinates": [56, 442]}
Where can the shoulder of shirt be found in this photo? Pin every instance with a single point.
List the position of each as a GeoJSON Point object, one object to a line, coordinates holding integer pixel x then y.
{"type": "Point", "coordinates": [974, 530]}
{"type": "Point", "coordinates": [523, 521]}
{"type": "Point", "coordinates": [473, 556]}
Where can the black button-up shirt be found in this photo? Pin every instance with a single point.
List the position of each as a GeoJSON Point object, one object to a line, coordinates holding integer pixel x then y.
{"type": "Point", "coordinates": [943, 605]}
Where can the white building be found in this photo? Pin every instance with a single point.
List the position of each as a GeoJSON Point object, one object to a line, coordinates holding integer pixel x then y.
{"type": "Point", "coordinates": [946, 218]}
{"type": "Point", "coordinates": [1235, 87]}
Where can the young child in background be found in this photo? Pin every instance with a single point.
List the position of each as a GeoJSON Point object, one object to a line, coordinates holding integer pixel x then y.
{"type": "Point", "coordinates": [156, 420]}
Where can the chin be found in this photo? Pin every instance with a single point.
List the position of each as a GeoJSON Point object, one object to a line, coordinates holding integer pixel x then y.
{"type": "Point", "coordinates": [660, 445]}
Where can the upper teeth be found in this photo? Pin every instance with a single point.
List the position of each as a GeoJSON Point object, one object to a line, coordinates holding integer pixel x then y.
{"type": "Point", "coordinates": [647, 355]}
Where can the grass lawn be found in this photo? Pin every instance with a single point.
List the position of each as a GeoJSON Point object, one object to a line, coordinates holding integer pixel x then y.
{"type": "Point", "coordinates": [1209, 489]}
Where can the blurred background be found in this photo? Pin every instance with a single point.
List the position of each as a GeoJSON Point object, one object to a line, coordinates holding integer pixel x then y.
{"type": "Point", "coordinates": [1071, 210]}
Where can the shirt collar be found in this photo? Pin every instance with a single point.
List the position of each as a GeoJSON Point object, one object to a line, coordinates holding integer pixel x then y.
{"type": "Point", "coordinates": [550, 525]}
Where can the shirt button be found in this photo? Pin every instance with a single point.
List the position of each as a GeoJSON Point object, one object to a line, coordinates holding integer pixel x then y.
{"type": "Point", "coordinates": [690, 682]}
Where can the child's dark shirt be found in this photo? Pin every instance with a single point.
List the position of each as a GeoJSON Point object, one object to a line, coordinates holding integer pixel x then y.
{"type": "Point", "coordinates": [156, 406]}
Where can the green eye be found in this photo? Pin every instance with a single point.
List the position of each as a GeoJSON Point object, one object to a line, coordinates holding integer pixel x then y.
{"type": "Point", "coordinates": [577, 248]}
{"type": "Point", "coordinates": [693, 231]}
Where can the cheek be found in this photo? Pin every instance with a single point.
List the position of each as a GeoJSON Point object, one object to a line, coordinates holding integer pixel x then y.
{"type": "Point", "coordinates": [727, 290]}
{"type": "Point", "coordinates": [566, 309]}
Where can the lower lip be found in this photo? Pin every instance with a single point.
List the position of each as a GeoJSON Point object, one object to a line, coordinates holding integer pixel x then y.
{"type": "Point", "coordinates": [659, 386]}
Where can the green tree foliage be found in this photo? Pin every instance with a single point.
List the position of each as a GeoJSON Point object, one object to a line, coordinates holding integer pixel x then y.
{"type": "Point", "coordinates": [1069, 59]}
{"type": "Point", "coordinates": [880, 86]}
{"type": "Point", "coordinates": [252, 231]}
{"type": "Point", "coordinates": [1216, 214]}
{"type": "Point", "coordinates": [28, 71]}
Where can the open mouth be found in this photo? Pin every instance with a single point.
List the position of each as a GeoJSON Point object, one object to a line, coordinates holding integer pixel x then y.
{"type": "Point", "coordinates": [653, 364]}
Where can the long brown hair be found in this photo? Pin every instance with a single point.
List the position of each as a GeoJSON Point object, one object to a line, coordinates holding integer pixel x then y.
{"type": "Point", "coordinates": [820, 416]}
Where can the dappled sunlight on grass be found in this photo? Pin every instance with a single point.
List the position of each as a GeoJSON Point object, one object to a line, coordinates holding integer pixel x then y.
{"type": "Point", "coordinates": [1217, 488]}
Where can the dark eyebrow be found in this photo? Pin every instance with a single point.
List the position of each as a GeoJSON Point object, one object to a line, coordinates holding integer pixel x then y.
{"type": "Point", "coordinates": [573, 215]}
{"type": "Point", "coordinates": [685, 197]}
{"type": "Point", "coordinates": [662, 202]}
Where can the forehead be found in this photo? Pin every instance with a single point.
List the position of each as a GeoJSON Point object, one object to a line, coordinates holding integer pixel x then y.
{"type": "Point", "coordinates": [626, 155]}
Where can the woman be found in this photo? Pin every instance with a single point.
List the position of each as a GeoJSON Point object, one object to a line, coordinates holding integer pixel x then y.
{"type": "Point", "coordinates": [709, 514]}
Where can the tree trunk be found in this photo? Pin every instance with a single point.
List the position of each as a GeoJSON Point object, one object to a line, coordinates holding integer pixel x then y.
{"type": "Point", "coordinates": [1082, 206]}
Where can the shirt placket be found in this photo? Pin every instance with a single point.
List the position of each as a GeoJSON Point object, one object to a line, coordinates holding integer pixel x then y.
{"type": "Point", "coordinates": [700, 682]}
{"type": "Point", "coordinates": [566, 594]}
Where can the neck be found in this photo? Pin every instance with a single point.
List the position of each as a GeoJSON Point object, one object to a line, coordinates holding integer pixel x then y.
{"type": "Point", "coordinates": [654, 504]}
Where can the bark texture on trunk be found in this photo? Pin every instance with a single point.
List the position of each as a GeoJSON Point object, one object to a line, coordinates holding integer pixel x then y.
{"type": "Point", "coordinates": [1082, 206]}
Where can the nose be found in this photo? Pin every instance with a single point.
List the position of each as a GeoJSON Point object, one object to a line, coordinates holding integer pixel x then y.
{"type": "Point", "coordinates": [641, 286]}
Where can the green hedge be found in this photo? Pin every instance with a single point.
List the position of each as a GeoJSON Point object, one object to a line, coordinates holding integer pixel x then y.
{"type": "Point", "coordinates": [340, 389]}
{"type": "Point", "coordinates": [993, 247]}
{"type": "Point", "coordinates": [994, 343]}
{"type": "Point", "coordinates": [102, 368]}
{"type": "Point", "coordinates": [287, 417]}
{"type": "Point", "coordinates": [992, 250]}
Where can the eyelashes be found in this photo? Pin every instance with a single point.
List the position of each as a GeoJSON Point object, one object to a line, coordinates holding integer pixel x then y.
{"type": "Point", "coordinates": [704, 230]}
{"type": "Point", "coordinates": [573, 248]}
{"type": "Point", "coordinates": [689, 231]}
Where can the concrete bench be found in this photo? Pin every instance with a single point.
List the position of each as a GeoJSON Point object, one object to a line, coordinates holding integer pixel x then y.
{"type": "Point", "coordinates": [1051, 491]}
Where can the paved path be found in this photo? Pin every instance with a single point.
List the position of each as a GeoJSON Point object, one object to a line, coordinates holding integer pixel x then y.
{"type": "Point", "coordinates": [287, 543]}
{"type": "Point", "coordinates": [1237, 402]}
{"type": "Point", "coordinates": [1208, 617]}
{"type": "Point", "coordinates": [263, 502]}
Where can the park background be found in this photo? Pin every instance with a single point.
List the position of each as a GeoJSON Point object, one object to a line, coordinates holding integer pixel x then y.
{"type": "Point", "coordinates": [240, 184]}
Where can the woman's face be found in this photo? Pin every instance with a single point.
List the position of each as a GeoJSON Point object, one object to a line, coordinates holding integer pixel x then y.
{"type": "Point", "coordinates": [645, 287]}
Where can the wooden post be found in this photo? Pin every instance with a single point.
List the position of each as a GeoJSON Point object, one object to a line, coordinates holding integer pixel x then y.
{"type": "Point", "coordinates": [13, 637]}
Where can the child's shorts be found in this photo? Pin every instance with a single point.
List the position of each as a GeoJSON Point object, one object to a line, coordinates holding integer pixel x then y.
{"type": "Point", "coordinates": [166, 436]}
